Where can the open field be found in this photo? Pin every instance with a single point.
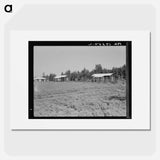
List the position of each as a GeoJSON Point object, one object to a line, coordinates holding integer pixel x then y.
{"type": "Point", "coordinates": [69, 99]}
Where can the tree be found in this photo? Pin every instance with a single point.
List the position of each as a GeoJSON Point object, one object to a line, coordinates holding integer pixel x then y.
{"type": "Point", "coordinates": [51, 77]}
{"type": "Point", "coordinates": [43, 74]}
{"type": "Point", "coordinates": [98, 68]}
{"type": "Point", "coordinates": [73, 76]}
{"type": "Point", "coordinates": [84, 74]}
{"type": "Point", "coordinates": [68, 73]}
{"type": "Point", "coordinates": [123, 71]}
{"type": "Point", "coordinates": [47, 77]}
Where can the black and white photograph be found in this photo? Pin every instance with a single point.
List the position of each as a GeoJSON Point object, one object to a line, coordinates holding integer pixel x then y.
{"type": "Point", "coordinates": [79, 79]}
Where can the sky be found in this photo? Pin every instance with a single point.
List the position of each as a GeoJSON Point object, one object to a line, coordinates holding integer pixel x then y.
{"type": "Point", "coordinates": [58, 59]}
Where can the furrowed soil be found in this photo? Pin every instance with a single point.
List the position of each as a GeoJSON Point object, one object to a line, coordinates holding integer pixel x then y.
{"type": "Point", "coordinates": [79, 99]}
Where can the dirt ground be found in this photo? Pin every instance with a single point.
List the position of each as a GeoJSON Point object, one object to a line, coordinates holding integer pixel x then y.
{"type": "Point", "coordinates": [81, 99]}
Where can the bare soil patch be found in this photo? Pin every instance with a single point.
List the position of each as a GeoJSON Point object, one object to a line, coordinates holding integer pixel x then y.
{"type": "Point", "coordinates": [82, 99]}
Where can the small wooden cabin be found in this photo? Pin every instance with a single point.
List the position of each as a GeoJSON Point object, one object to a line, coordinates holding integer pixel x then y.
{"type": "Point", "coordinates": [39, 79]}
{"type": "Point", "coordinates": [60, 78]}
{"type": "Point", "coordinates": [103, 77]}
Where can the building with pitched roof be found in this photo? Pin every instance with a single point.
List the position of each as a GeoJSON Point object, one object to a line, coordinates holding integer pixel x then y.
{"type": "Point", "coordinates": [102, 77]}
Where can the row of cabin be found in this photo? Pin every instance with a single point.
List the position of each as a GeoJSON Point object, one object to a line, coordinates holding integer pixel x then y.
{"type": "Point", "coordinates": [99, 77]}
{"type": "Point", "coordinates": [60, 78]}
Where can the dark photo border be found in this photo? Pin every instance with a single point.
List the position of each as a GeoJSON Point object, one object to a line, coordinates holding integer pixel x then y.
{"type": "Point", "coordinates": [128, 45]}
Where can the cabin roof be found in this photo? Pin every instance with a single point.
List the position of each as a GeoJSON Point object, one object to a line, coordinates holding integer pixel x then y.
{"type": "Point", "coordinates": [98, 75]}
{"type": "Point", "coordinates": [39, 78]}
{"type": "Point", "coordinates": [60, 76]}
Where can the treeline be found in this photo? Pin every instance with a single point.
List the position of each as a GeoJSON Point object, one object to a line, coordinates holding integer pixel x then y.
{"type": "Point", "coordinates": [85, 74]}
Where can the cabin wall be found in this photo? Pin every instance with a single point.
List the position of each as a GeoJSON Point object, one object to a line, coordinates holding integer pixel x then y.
{"type": "Point", "coordinates": [39, 80]}
{"type": "Point", "coordinates": [104, 79]}
{"type": "Point", "coordinates": [61, 79]}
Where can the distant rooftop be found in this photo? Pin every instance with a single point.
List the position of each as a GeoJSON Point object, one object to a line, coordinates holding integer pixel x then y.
{"type": "Point", "coordinates": [61, 76]}
{"type": "Point", "coordinates": [102, 75]}
{"type": "Point", "coordinates": [39, 78]}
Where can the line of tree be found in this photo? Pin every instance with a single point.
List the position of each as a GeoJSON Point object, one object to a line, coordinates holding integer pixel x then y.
{"type": "Point", "coordinates": [85, 74]}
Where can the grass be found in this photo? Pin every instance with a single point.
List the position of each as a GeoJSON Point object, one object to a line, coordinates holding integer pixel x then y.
{"type": "Point", "coordinates": [79, 99]}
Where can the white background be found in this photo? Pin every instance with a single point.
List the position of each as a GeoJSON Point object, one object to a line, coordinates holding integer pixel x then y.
{"type": "Point", "coordinates": [86, 145]}
{"type": "Point", "coordinates": [140, 81]}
